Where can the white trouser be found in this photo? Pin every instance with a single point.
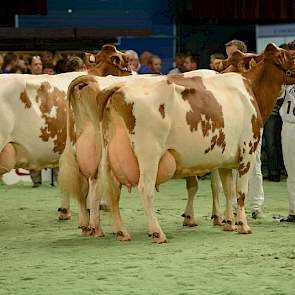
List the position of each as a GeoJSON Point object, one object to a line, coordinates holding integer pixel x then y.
{"type": "Point", "coordinates": [256, 193]}
{"type": "Point", "coordinates": [288, 144]}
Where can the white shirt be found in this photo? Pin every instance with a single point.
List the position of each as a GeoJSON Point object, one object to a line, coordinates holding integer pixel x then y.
{"type": "Point", "coordinates": [287, 110]}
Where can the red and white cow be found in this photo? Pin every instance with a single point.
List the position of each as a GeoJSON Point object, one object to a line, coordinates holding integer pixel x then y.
{"type": "Point", "coordinates": [181, 127]}
{"type": "Point", "coordinates": [33, 115]}
{"type": "Point", "coordinates": [80, 161]}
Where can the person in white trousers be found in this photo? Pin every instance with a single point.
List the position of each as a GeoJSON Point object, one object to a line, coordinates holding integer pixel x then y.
{"type": "Point", "coordinates": [287, 113]}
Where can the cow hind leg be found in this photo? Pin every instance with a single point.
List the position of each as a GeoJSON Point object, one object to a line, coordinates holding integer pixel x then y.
{"type": "Point", "coordinates": [7, 158]}
{"type": "Point", "coordinates": [64, 209]}
{"type": "Point", "coordinates": [146, 187]}
{"type": "Point", "coordinates": [93, 200]}
{"type": "Point", "coordinates": [217, 216]}
{"type": "Point", "coordinates": [242, 190]}
{"type": "Point", "coordinates": [72, 183]}
{"type": "Point", "coordinates": [227, 182]}
{"type": "Point", "coordinates": [118, 227]}
{"type": "Point", "coordinates": [192, 188]}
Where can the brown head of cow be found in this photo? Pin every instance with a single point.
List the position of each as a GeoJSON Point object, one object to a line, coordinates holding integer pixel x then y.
{"type": "Point", "coordinates": [281, 59]}
{"type": "Point", "coordinates": [109, 61]}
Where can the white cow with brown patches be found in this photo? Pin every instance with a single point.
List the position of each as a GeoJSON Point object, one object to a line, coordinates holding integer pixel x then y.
{"type": "Point", "coordinates": [195, 124]}
{"type": "Point", "coordinates": [33, 115]}
{"type": "Point", "coordinates": [79, 164]}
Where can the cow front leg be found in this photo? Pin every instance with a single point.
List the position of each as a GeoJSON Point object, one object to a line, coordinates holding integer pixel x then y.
{"type": "Point", "coordinates": [227, 183]}
{"type": "Point", "coordinates": [192, 188]}
{"type": "Point", "coordinates": [217, 216]}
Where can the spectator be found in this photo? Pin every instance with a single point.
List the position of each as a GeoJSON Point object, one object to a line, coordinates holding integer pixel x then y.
{"type": "Point", "coordinates": [135, 65]}
{"type": "Point", "coordinates": [190, 63]}
{"type": "Point", "coordinates": [9, 63]}
{"type": "Point", "coordinates": [213, 58]}
{"type": "Point", "coordinates": [36, 65]}
{"type": "Point", "coordinates": [145, 57]}
{"type": "Point", "coordinates": [60, 66]}
{"type": "Point", "coordinates": [75, 64]}
{"type": "Point", "coordinates": [179, 61]}
{"type": "Point", "coordinates": [48, 68]}
{"type": "Point", "coordinates": [22, 65]}
{"type": "Point", "coordinates": [235, 45]}
{"type": "Point", "coordinates": [155, 64]}
{"type": "Point", "coordinates": [47, 57]}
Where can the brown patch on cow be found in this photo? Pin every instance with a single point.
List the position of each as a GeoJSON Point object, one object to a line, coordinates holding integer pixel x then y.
{"type": "Point", "coordinates": [124, 109]}
{"type": "Point", "coordinates": [53, 109]}
{"type": "Point", "coordinates": [162, 110]}
{"type": "Point", "coordinates": [205, 110]}
{"type": "Point", "coordinates": [243, 169]}
{"type": "Point", "coordinates": [221, 140]}
{"type": "Point", "coordinates": [241, 199]}
{"type": "Point", "coordinates": [25, 99]}
{"type": "Point", "coordinates": [256, 127]}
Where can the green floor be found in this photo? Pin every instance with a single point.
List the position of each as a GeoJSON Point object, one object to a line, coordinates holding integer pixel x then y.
{"type": "Point", "coordinates": [40, 255]}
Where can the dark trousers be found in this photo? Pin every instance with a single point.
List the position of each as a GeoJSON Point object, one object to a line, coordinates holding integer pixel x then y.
{"type": "Point", "coordinates": [273, 145]}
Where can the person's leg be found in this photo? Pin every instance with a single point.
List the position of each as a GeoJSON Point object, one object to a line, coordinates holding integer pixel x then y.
{"type": "Point", "coordinates": [288, 143]}
{"type": "Point", "coordinates": [271, 140]}
{"type": "Point", "coordinates": [256, 193]}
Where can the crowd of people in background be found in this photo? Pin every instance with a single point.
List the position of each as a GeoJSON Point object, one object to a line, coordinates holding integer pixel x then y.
{"type": "Point", "coordinates": [45, 62]}
{"type": "Point", "coordinates": [269, 151]}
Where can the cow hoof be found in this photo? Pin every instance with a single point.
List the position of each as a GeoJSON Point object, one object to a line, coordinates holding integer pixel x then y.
{"type": "Point", "coordinates": [123, 236]}
{"type": "Point", "coordinates": [64, 214]}
{"type": "Point", "coordinates": [189, 220]}
{"type": "Point", "coordinates": [218, 220]}
{"type": "Point", "coordinates": [229, 226]}
{"type": "Point", "coordinates": [244, 229]}
{"type": "Point", "coordinates": [84, 231]}
{"type": "Point", "coordinates": [95, 232]}
{"type": "Point", "coordinates": [189, 223]}
{"type": "Point", "coordinates": [159, 238]}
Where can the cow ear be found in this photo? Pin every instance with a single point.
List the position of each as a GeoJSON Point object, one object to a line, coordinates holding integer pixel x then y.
{"type": "Point", "coordinates": [271, 48]}
{"type": "Point", "coordinates": [274, 53]}
{"type": "Point", "coordinates": [235, 59]}
{"type": "Point", "coordinates": [108, 48]}
{"type": "Point", "coordinates": [115, 60]}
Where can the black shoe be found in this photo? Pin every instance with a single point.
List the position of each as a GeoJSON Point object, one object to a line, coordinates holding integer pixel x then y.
{"type": "Point", "coordinates": [289, 218]}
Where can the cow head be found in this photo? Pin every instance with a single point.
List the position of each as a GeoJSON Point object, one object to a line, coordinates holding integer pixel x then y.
{"type": "Point", "coordinates": [283, 60]}
{"type": "Point", "coordinates": [241, 62]}
{"type": "Point", "coordinates": [109, 61]}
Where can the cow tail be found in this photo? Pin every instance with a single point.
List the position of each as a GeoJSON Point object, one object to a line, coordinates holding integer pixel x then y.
{"type": "Point", "coordinates": [102, 99]}
{"type": "Point", "coordinates": [71, 181]}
